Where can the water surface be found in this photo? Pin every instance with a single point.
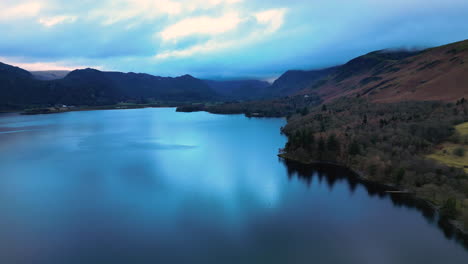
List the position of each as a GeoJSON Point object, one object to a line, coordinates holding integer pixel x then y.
{"type": "Point", "coordinates": [156, 186]}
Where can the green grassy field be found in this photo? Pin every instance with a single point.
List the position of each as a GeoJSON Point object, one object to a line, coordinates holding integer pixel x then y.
{"type": "Point", "coordinates": [445, 152]}
{"type": "Point", "coordinates": [462, 129]}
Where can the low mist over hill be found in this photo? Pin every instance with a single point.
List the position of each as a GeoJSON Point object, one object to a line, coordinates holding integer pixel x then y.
{"type": "Point", "coordinates": [240, 89]}
{"type": "Point", "coordinates": [49, 75]}
{"type": "Point", "coordinates": [294, 81]}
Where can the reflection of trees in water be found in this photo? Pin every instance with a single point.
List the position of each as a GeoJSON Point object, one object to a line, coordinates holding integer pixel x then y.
{"type": "Point", "coordinates": [332, 174]}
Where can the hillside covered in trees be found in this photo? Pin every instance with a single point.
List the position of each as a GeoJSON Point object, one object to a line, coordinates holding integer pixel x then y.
{"type": "Point", "coordinates": [19, 89]}
{"type": "Point", "coordinates": [387, 143]}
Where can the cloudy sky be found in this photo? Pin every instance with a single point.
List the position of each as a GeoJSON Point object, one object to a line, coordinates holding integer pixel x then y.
{"type": "Point", "coordinates": [223, 39]}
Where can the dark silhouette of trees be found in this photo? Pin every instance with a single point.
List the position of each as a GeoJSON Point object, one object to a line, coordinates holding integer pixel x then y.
{"type": "Point", "coordinates": [353, 148]}
{"type": "Point", "coordinates": [332, 144]}
{"type": "Point", "coordinates": [449, 209]}
{"type": "Point", "coordinates": [459, 152]}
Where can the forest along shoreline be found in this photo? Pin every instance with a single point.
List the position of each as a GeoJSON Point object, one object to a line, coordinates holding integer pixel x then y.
{"type": "Point", "coordinates": [386, 143]}
{"type": "Point", "coordinates": [389, 144]}
{"type": "Point", "coordinates": [64, 108]}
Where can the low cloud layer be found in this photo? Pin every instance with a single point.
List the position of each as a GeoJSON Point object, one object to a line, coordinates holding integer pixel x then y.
{"type": "Point", "coordinates": [218, 38]}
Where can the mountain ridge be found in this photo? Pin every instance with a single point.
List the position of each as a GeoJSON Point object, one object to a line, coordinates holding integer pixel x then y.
{"type": "Point", "coordinates": [438, 73]}
{"type": "Point", "coordinates": [19, 89]}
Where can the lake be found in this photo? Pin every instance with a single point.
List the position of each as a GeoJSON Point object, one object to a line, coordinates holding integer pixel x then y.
{"type": "Point", "coordinates": [157, 186]}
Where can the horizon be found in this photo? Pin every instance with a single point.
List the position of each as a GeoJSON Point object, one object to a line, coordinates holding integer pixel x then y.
{"type": "Point", "coordinates": [218, 39]}
{"type": "Point", "coordinates": [270, 80]}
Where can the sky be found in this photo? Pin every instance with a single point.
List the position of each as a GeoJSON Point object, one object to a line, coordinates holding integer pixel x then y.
{"type": "Point", "coordinates": [218, 39]}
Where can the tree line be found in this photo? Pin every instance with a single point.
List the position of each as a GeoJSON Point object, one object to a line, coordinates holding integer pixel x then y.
{"type": "Point", "coordinates": [387, 143]}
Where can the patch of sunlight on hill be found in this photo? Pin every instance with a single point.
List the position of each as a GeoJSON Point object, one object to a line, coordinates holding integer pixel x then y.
{"type": "Point", "coordinates": [462, 129]}
{"type": "Point", "coordinates": [445, 153]}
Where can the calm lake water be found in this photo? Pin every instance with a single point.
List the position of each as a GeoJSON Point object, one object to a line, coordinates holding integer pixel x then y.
{"type": "Point", "coordinates": [156, 186]}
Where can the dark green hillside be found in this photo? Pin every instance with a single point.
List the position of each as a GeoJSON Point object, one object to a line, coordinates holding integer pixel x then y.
{"type": "Point", "coordinates": [19, 89]}
{"type": "Point", "coordinates": [140, 87]}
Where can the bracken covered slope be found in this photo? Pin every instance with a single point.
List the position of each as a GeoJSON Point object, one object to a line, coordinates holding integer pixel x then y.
{"type": "Point", "coordinates": [439, 73]}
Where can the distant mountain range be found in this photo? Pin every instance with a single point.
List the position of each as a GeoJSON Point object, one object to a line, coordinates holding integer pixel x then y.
{"type": "Point", "coordinates": [439, 73]}
{"type": "Point", "coordinates": [19, 88]}
{"type": "Point", "coordinates": [231, 90]}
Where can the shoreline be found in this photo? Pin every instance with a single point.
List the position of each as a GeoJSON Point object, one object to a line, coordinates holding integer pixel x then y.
{"type": "Point", "coordinates": [457, 225]}
{"type": "Point", "coordinates": [47, 111]}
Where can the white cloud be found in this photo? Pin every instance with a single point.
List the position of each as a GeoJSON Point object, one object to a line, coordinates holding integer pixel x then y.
{"type": "Point", "coordinates": [217, 2]}
{"type": "Point", "coordinates": [201, 25]}
{"type": "Point", "coordinates": [268, 22]}
{"type": "Point", "coordinates": [19, 11]}
{"type": "Point", "coordinates": [207, 4]}
{"type": "Point", "coordinates": [236, 26]}
{"type": "Point", "coordinates": [55, 20]}
{"type": "Point", "coordinates": [274, 18]}
{"type": "Point", "coordinates": [115, 11]}
{"type": "Point", "coordinates": [122, 10]}
{"type": "Point", "coordinates": [208, 46]}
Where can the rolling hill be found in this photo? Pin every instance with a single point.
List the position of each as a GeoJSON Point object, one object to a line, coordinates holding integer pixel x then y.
{"type": "Point", "coordinates": [19, 89]}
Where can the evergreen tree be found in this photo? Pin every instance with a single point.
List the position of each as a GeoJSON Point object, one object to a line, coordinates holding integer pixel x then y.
{"type": "Point", "coordinates": [449, 209]}
{"type": "Point", "coordinates": [311, 142]}
{"type": "Point", "coordinates": [321, 146]}
{"type": "Point", "coordinates": [353, 148]}
{"type": "Point", "coordinates": [364, 120]}
{"type": "Point", "coordinates": [400, 175]}
{"type": "Point", "coordinates": [333, 144]}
